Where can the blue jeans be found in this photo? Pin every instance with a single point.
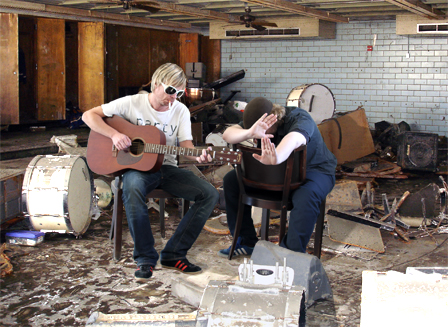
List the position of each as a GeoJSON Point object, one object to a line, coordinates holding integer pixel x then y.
{"type": "Point", "coordinates": [306, 202]}
{"type": "Point", "coordinates": [181, 183]}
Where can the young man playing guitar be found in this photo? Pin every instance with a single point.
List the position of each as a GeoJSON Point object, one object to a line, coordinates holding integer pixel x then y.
{"type": "Point", "coordinates": [161, 109]}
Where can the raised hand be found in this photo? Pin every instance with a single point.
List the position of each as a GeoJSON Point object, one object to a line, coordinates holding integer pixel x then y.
{"type": "Point", "coordinates": [259, 128]}
{"type": "Point", "coordinates": [268, 152]}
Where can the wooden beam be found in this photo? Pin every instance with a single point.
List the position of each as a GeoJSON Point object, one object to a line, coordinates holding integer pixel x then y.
{"type": "Point", "coordinates": [88, 15]}
{"type": "Point", "coordinates": [419, 8]}
{"type": "Point", "coordinates": [298, 9]}
{"type": "Point", "coordinates": [192, 11]}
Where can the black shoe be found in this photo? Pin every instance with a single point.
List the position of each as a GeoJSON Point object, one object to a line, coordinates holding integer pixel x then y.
{"type": "Point", "coordinates": [183, 265]}
{"type": "Point", "coordinates": [144, 272]}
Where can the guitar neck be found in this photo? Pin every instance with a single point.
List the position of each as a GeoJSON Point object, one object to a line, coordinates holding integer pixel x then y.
{"type": "Point", "coordinates": [174, 150]}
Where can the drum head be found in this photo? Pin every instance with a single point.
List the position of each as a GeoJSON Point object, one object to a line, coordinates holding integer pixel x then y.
{"type": "Point", "coordinates": [317, 99]}
{"type": "Point", "coordinates": [79, 196]}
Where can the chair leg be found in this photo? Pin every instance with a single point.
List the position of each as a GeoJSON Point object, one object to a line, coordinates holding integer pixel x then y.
{"type": "Point", "coordinates": [112, 225]}
{"type": "Point", "coordinates": [162, 216]}
{"type": "Point", "coordinates": [265, 216]}
{"type": "Point", "coordinates": [185, 207]}
{"type": "Point", "coordinates": [319, 230]}
{"type": "Point", "coordinates": [283, 218]}
{"type": "Point", "coordinates": [236, 233]}
{"type": "Point", "coordinates": [117, 220]}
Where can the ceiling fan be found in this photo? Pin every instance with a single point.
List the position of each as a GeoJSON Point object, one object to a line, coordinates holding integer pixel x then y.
{"type": "Point", "coordinates": [251, 21]}
{"type": "Point", "coordinates": [127, 4]}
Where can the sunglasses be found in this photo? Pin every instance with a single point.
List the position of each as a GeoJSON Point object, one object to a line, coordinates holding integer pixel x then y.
{"type": "Point", "coordinates": [171, 90]}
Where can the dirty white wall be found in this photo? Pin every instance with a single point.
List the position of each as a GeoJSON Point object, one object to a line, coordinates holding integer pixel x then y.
{"type": "Point", "coordinates": [384, 81]}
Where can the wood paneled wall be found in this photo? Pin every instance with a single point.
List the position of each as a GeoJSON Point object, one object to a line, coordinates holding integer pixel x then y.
{"type": "Point", "coordinates": [95, 65]}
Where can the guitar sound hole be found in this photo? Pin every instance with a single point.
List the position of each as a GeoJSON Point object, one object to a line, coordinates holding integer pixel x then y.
{"type": "Point", "coordinates": [137, 147]}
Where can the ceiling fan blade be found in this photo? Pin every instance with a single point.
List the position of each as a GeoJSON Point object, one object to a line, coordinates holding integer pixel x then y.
{"type": "Point", "coordinates": [264, 23]}
{"type": "Point", "coordinates": [258, 27]}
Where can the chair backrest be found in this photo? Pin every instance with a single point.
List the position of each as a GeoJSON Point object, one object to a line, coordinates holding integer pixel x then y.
{"type": "Point", "coordinates": [274, 178]}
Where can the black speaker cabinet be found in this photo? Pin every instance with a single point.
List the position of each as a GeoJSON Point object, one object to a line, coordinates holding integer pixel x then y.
{"type": "Point", "coordinates": [417, 151]}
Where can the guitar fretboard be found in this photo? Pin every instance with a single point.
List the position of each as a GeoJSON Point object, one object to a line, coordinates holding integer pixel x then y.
{"type": "Point", "coordinates": [171, 149]}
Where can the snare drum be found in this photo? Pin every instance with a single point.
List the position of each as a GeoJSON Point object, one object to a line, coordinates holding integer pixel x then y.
{"type": "Point", "coordinates": [316, 98]}
{"type": "Point", "coordinates": [57, 194]}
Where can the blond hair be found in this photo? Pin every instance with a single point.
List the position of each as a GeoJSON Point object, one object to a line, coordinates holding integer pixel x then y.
{"type": "Point", "coordinates": [169, 74]}
{"type": "Point", "coordinates": [280, 112]}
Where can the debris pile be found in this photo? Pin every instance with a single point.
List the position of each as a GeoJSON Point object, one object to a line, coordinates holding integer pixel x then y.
{"type": "Point", "coordinates": [418, 210]}
{"type": "Point", "coordinates": [5, 264]}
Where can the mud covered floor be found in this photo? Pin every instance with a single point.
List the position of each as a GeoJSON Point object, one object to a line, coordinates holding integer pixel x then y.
{"type": "Point", "coordinates": [63, 280]}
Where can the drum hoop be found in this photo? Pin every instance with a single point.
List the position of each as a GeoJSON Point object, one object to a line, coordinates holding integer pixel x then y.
{"type": "Point", "coordinates": [92, 194]}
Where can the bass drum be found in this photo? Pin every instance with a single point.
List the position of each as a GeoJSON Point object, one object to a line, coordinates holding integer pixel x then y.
{"type": "Point", "coordinates": [57, 194]}
{"type": "Point", "coordinates": [316, 98]}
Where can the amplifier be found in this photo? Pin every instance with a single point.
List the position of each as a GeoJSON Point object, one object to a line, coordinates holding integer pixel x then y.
{"type": "Point", "coordinates": [418, 151]}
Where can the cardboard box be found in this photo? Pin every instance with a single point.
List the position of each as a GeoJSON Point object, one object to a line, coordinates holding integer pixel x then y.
{"type": "Point", "coordinates": [348, 136]}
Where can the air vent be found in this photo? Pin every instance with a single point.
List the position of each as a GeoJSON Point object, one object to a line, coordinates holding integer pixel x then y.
{"type": "Point", "coordinates": [416, 25]}
{"type": "Point", "coordinates": [287, 28]}
{"type": "Point", "coordinates": [432, 28]}
{"type": "Point", "coordinates": [266, 32]}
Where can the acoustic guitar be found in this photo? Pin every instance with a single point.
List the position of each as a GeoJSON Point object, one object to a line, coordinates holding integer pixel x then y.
{"type": "Point", "coordinates": [146, 152]}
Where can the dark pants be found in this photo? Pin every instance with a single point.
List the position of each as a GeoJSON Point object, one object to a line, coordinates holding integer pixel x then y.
{"type": "Point", "coordinates": [306, 202]}
{"type": "Point", "coordinates": [179, 182]}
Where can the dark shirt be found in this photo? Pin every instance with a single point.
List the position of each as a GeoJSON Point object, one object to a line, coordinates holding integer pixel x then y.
{"type": "Point", "coordinates": [318, 157]}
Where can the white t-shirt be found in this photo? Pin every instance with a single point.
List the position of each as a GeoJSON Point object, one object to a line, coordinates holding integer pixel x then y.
{"type": "Point", "coordinates": [174, 123]}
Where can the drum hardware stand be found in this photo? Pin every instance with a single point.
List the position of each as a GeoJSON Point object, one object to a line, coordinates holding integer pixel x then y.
{"type": "Point", "coordinates": [95, 212]}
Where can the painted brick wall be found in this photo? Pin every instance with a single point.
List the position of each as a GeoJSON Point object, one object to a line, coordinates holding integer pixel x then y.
{"type": "Point", "coordinates": [402, 79]}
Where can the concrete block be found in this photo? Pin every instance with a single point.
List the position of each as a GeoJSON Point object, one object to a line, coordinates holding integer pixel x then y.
{"type": "Point", "coordinates": [308, 270]}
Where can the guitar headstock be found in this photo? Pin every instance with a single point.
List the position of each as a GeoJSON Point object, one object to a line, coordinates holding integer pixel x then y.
{"type": "Point", "coordinates": [227, 155]}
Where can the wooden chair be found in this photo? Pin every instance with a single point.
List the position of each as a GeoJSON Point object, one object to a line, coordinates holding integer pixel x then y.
{"type": "Point", "coordinates": [270, 188]}
{"type": "Point", "coordinates": [116, 228]}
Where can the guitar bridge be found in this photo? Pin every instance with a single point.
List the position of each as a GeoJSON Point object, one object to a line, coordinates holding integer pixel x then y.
{"type": "Point", "coordinates": [114, 151]}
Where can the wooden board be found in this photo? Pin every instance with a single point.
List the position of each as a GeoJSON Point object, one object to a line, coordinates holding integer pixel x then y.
{"type": "Point", "coordinates": [133, 56]}
{"type": "Point", "coordinates": [189, 48]}
{"type": "Point", "coordinates": [211, 57]}
{"type": "Point", "coordinates": [50, 55]}
{"type": "Point", "coordinates": [111, 78]}
{"type": "Point", "coordinates": [71, 63]}
{"type": "Point", "coordinates": [9, 69]}
{"type": "Point", "coordinates": [27, 91]}
{"type": "Point", "coordinates": [164, 47]}
{"type": "Point", "coordinates": [91, 52]}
